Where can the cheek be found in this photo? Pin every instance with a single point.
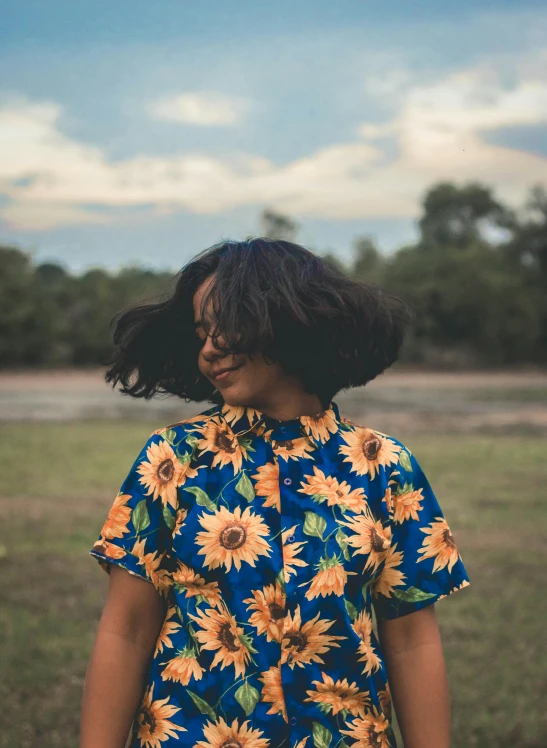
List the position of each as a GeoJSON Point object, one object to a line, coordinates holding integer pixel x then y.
{"type": "Point", "coordinates": [261, 372]}
{"type": "Point", "coordinates": [202, 366]}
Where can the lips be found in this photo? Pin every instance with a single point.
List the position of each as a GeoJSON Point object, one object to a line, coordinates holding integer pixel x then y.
{"type": "Point", "coordinates": [222, 371]}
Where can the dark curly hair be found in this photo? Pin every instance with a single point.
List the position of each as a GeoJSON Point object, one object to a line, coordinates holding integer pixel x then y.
{"type": "Point", "coordinates": [270, 297]}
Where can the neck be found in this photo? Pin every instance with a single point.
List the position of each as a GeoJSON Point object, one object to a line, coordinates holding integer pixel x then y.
{"type": "Point", "coordinates": [289, 407]}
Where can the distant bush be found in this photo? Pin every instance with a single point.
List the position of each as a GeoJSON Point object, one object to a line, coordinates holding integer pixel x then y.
{"type": "Point", "coordinates": [478, 300]}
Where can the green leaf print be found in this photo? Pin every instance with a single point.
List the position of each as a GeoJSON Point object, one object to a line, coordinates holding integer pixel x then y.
{"type": "Point", "coordinates": [314, 524]}
{"type": "Point", "coordinates": [248, 697]}
{"type": "Point", "coordinates": [169, 518]}
{"type": "Point", "coordinates": [404, 460]}
{"type": "Point", "coordinates": [170, 435]}
{"type": "Point", "coordinates": [322, 736]}
{"type": "Point", "coordinates": [365, 588]}
{"type": "Point", "coordinates": [192, 440]}
{"type": "Point", "coordinates": [405, 488]}
{"type": "Point", "coordinates": [185, 458]}
{"type": "Point", "coordinates": [192, 632]}
{"type": "Point", "coordinates": [202, 705]}
{"type": "Point", "coordinates": [342, 540]}
{"type": "Point", "coordinates": [351, 609]}
{"type": "Point", "coordinates": [413, 595]}
{"type": "Point", "coordinates": [202, 498]}
{"type": "Point", "coordinates": [281, 579]}
{"type": "Point", "coordinates": [246, 640]}
{"type": "Point", "coordinates": [319, 498]}
{"type": "Point", "coordinates": [245, 487]}
{"type": "Point", "coordinates": [246, 443]}
{"type": "Point", "coordinates": [140, 517]}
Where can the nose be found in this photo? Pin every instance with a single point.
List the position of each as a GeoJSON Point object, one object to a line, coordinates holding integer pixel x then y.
{"type": "Point", "coordinates": [209, 352]}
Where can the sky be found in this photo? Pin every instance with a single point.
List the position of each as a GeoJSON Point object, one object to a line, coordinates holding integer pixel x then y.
{"type": "Point", "coordinates": [140, 133]}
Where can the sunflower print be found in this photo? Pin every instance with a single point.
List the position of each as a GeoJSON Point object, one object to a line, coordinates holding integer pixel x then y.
{"type": "Point", "coordinates": [221, 734]}
{"type": "Point", "coordinates": [268, 605]}
{"type": "Point", "coordinates": [169, 627]}
{"type": "Point", "coordinates": [362, 626]}
{"type": "Point", "coordinates": [183, 668]}
{"type": "Point", "coordinates": [162, 473]}
{"type": "Point", "coordinates": [218, 631]}
{"type": "Point", "coordinates": [272, 691]}
{"type": "Point", "coordinates": [232, 537]}
{"type": "Point", "coordinates": [339, 696]}
{"type": "Point", "coordinates": [154, 726]}
{"type": "Point", "coordinates": [191, 584]}
{"type": "Point", "coordinates": [118, 518]}
{"type": "Point", "coordinates": [439, 545]}
{"type": "Point", "coordinates": [277, 546]}
{"type": "Point", "coordinates": [305, 641]}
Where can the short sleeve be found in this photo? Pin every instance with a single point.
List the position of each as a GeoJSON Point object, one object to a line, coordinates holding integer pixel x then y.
{"type": "Point", "coordinates": [422, 564]}
{"type": "Point", "coordinates": [137, 533]}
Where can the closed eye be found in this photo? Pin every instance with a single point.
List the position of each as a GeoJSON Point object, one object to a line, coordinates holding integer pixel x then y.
{"type": "Point", "coordinates": [198, 326]}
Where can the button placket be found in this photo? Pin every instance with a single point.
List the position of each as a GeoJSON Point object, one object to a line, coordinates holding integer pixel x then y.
{"type": "Point", "coordinates": [290, 509]}
{"type": "Point", "coordinates": [288, 519]}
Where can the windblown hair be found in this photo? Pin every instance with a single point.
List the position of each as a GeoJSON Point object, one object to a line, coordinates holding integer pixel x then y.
{"type": "Point", "coordinates": [268, 297]}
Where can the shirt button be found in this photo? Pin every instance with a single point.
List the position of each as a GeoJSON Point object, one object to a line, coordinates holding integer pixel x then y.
{"type": "Point", "coordinates": [287, 481]}
{"type": "Point", "coordinates": [293, 720]}
{"type": "Point", "coordinates": [290, 539]}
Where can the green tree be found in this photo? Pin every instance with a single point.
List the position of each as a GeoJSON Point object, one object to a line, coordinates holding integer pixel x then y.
{"type": "Point", "coordinates": [526, 256]}
{"type": "Point", "coordinates": [471, 304]}
{"type": "Point", "coordinates": [277, 226]}
{"type": "Point", "coordinates": [456, 216]}
{"type": "Point", "coordinates": [469, 307]}
{"type": "Point", "coordinates": [368, 263]}
{"type": "Point", "coordinates": [27, 318]}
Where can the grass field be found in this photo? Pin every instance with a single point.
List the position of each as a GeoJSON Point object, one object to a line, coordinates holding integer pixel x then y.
{"type": "Point", "coordinates": [59, 480]}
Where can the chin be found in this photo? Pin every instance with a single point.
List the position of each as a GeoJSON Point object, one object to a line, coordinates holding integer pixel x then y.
{"type": "Point", "coordinates": [231, 398]}
{"type": "Point", "coordinates": [234, 396]}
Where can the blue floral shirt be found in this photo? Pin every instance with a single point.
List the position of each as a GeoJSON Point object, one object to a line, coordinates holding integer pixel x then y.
{"type": "Point", "coordinates": [275, 544]}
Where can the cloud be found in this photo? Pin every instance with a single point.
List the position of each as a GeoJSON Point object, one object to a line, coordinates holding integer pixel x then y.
{"type": "Point", "coordinates": [439, 132]}
{"type": "Point", "coordinates": [199, 108]}
{"type": "Point", "coordinates": [41, 216]}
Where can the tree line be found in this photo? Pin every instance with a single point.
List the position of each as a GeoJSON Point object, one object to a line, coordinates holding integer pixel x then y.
{"type": "Point", "coordinates": [476, 279]}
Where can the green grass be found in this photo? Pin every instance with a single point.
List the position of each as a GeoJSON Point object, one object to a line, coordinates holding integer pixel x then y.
{"type": "Point", "coordinates": [59, 480]}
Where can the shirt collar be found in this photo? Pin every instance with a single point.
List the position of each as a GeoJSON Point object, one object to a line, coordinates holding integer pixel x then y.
{"type": "Point", "coordinates": [318, 427]}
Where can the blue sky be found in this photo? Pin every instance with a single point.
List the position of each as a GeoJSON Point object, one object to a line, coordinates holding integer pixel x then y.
{"type": "Point", "coordinates": [143, 132]}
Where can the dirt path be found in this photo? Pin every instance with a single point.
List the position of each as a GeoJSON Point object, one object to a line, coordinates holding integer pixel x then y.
{"type": "Point", "coordinates": [397, 401]}
{"type": "Point", "coordinates": [93, 379]}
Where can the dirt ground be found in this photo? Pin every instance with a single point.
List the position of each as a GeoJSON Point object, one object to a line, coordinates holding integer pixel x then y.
{"type": "Point", "coordinates": [395, 377]}
{"type": "Point", "coordinates": [399, 401]}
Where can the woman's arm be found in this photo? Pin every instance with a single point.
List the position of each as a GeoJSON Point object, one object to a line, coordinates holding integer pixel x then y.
{"type": "Point", "coordinates": [127, 633]}
{"type": "Point", "coordinates": [416, 671]}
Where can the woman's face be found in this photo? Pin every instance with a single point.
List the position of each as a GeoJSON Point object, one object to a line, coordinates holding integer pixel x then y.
{"type": "Point", "coordinates": [252, 383]}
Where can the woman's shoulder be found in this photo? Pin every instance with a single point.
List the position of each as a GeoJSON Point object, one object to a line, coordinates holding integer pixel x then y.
{"type": "Point", "coordinates": [178, 427]}
{"type": "Point", "coordinates": [378, 442]}
{"type": "Point", "coordinates": [366, 429]}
